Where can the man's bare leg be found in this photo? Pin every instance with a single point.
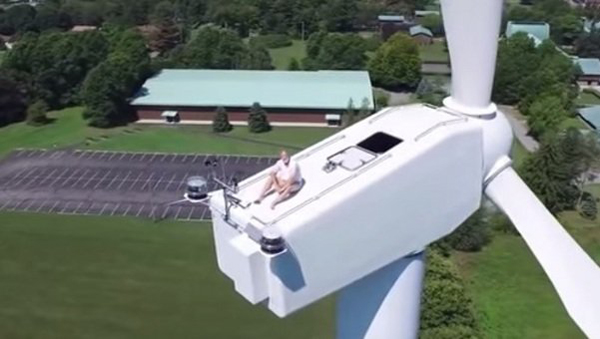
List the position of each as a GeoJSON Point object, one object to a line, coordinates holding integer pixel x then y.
{"type": "Point", "coordinates": [266, 189]}
{"type": "Point", "coordinates": [272, 182]}
{"type": "Point", "coordinates": [282, 196]}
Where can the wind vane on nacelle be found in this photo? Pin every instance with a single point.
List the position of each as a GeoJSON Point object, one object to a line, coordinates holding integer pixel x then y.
{"type": "Point", "coordinates": [377, 193]}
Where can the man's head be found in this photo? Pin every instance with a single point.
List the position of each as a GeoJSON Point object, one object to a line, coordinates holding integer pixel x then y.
{"type": "Point", "coordinates": [284, 157]}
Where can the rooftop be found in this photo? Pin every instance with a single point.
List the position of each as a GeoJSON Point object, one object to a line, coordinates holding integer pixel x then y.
{"type": "Point", "coordinates": [589, 66]}
{"type": "Point", "coordinates": [418, 29]}
{"type": "Point", "coordinates": [539, 30]}
{"type": "Point", "coordinates": [241, 88]}
{"type": "Point", "coordinates": [592, 116]}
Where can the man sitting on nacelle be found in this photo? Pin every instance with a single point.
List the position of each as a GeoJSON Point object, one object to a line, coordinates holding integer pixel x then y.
{"type": "Point", "coordinates": [285, 178]}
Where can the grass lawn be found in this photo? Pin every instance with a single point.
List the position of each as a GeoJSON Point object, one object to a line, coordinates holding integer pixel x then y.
{"type": "Point", "coordinates": [282, 56]}
{"type": "Point", "coordinates": [594, 189]}
{"type": "Point", "coordinates": [434, 53]}
{"type": "Point", "coordinates": [2, 53]}
{"type": "Point", "coordinates": [69, 129]}
{"type": "Point", "coordinates": [512, 294]}
{"type": "Point", "coordinates": [198, 139]}
{"type": "Point", "coordinates": [586, 98]}
{"type": "Point", "coordinates": [98, 277]}
{"type": "Point", "coordinates": [573, 122]}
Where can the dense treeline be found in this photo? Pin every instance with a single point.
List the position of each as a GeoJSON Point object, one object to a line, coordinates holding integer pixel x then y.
{"type": "Point", "coordinates": [55, 70]}
{"type": "Point", "coordinates": [540, 80]}
{"type": "Point", "coordinates": [292, 17]}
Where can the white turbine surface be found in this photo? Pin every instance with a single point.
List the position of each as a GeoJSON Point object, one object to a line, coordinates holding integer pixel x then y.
{"type": "Point", "coordinates": [472, 44]}
{"type": "Point", "coordinates": [402, 179]}
{"type": "Point", "coordinates": [573, 273]}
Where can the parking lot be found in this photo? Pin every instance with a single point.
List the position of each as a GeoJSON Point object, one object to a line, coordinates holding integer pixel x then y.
{"type": "Point", "coordinates": [112, 183]}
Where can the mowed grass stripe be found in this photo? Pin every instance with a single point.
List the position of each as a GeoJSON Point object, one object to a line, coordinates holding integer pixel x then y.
{"type": "Point", "coordinates": [98, 277]}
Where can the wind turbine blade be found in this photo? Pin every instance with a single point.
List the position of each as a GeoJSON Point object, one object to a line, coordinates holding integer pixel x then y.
{"type": "Point", "coordinates": [575, 276]}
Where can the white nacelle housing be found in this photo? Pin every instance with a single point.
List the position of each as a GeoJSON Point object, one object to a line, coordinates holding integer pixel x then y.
{"type": "Point", "coordinates": [404, 178]}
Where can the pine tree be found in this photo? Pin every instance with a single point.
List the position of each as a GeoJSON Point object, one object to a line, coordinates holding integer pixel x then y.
{"type": "Point", "coordinates": [257, 119]}
{"type": "Point", "coordinates": [294, 65]}
{"type": "Point", "coordinates": [546, 173]}
{"type": "Point", "coordinates": [364, 111]}
{"type": "Point", "coordinates": [350, 113]}
{"type": "Point", "coordinates": [36, 114]}
{"type": "Point", "coordinates": [221, 121]}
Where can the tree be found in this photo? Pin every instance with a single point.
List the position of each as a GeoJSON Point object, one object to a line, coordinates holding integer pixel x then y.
{"type": "Point", "coordinates": [581, 158]}
{"type": "Point", "coordinates": [446, 307]}
{"type": "Point", "coordinates": [108, 86]}
{"type": "Point", "coordinates": [17, 19]}
{"type": "Point", "coordinates": [517, 56]}
{"type": "Point", "coordinates": [36, 114]}
{"type": "Point", "coordinates": [257, 119]}
{"type": "Point", "coordinates": [472, 235]}
{"type": "Point", "coordinates": [213, 48]}
{"type": "Point", "coordinates": [545, 115]}
{"type": "Point", "coordinates": [221, 121]}
{"type": "Point", "coordinates": [294, 65]}
{"type": "Point", "coordinates": [167, 34]}
{"type": "Point", "coordinates": [12, 101]}
{"type": "Point", "coordinates": [588, 45]}
{"type": "Point", "coordinates": [365, 109]}
{"type": "Point", "coordinates": [57, 63]}
{"type": "Point", "coordinates": [257, 58]}
{"type": "Point", "coordinates": [339, 15]}
{"type": "Point", "coordinates": [382, 100]}
{"type": "Point", "coordinates": [396, 63]}
{"type": "Point", "coordinates": [336, 51]}
{"type": "Point", "coordinates": [589, 207]}
{"type": "Point", "coordinates": [49, 16]}
{"type": "Point", "coordinates": [545, 173]}
{"type": "Point", "coordinates": [350, 113]}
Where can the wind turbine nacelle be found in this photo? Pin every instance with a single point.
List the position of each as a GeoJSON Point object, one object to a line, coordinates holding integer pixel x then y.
{"type": "Point", "coordinates": [380, 190]}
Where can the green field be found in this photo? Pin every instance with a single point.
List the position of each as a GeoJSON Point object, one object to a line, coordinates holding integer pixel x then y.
{"type": "Point", "coordinates": [98, 277]}
{"type": "Point", "coordinates": [69, 130]}
{"type": "Point", "coordinates": [514, 298]}
{"type": "Point", "coordinates": [586, 98]}
{"type": "Point", "coordinates": [435, 52]}
{"type": "Point", "coordinates": [573, 122]}
{"type": "Point", "coordinates": [283, 56]}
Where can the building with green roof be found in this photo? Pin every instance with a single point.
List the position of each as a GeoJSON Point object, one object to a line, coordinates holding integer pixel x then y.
{"type": "Point", "coordinates": [422, 35]}
{"type": "Point", "coordinates": [591, 115]}
{"type": "Point", "coordinates": [310, 98]}
{"type": "Point", "coordinates": [590, 71]}
{"type": "Point", "coordinates": [538, 31]}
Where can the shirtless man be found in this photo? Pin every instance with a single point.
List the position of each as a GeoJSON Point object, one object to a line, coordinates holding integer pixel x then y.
{"type": "Point", "coordinates": [285, 178]}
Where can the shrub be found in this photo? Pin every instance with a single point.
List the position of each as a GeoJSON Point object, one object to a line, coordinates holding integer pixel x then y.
{"type": "Point", "coordinates": [36, 113]}
{"type": "Point", "coordinates": [372, 43]}
{"type": "Point", "coordinates": [472, 235]}
{"type": "Point", "coordinates": [499, 222]}
{"type": "Point", "coordinates": [272, 40]}
{"type": "Point", "coordinates": [382, 100]}
{"type": "Point", "coordinates": [257, 120]}
{"type": "Point", "coordinates": [221, 121]}
{"type": "Point", "coordinates": [588, 208]}
{"type": "Point", "coordinates": [294, 65]}
{"type": "Point", "coordinates": [446, 307]}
